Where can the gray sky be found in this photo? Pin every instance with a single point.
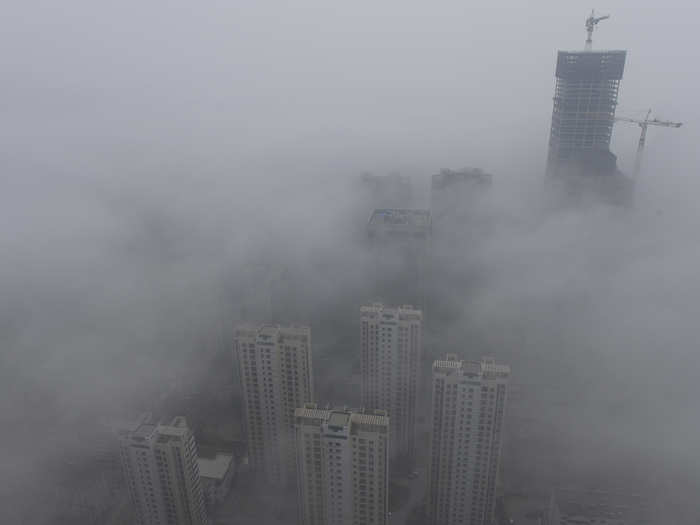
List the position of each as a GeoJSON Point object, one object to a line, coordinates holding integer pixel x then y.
{"type": "Point", "coordinates": [310, 79]}
{"type": "Point", "coordinates": [151, 151]}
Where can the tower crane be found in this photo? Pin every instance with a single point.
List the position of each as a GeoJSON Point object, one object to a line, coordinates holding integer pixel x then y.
{"type": "Point", "coordinates": [591, 22]}
{"type": "Point", "coordinates": [644, 124]}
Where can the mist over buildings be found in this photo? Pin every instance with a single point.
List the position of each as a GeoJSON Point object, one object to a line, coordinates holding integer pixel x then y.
{"type": "Point", "coordinates": [172, 169]}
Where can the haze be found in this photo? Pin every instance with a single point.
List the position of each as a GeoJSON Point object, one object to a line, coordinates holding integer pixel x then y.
{"type": "Point", "coordinates": [158, 155]}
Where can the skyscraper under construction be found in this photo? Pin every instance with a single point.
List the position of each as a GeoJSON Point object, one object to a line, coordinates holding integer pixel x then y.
{"type": "Point", "coordinates": [585, 98]}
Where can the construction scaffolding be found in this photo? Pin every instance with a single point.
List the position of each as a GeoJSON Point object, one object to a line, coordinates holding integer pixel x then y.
{"type": "Point", "coordinates": [585, 98]}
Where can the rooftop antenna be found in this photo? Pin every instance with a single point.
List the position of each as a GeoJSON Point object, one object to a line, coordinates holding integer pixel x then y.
{"type": "Point", "coordinates": [591, 22]}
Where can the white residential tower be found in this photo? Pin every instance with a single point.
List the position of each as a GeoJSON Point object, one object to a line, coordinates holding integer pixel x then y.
{"type": "Point", "coordinates": [468, 405]}
{"type": "Point", "coordinates": [274, 364]}
{"type": "Point", "coordinates": [342, 466]}
{"type": "Point", "coordinates": [160, 469]}
{"type": "Point", "coordinates": [390, 346]}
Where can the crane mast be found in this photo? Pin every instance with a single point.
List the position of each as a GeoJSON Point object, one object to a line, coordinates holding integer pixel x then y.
{"type": "Point", "coordinates": [644, 124]}
{"type": "Point", "coordinates": [591, 22]}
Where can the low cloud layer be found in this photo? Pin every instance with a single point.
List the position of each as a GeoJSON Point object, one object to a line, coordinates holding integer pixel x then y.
{"type": "Point", "coordinates": [170, 171]}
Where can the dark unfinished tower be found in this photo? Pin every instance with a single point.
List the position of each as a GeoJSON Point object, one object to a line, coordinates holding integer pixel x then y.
{"type": "Point", "coordinates": [585, 98]}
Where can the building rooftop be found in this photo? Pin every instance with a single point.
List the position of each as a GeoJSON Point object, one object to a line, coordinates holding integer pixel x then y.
{"type": "Point", "coordinates": [311, 412]}
{"type": "Point", "coordinates": [143, 431]}
{"type": "Point", "coordinates": [176, 430]}
{"type": "Point", "coordinates": [271, 332]}
{"type": "Point", "coordinates": [215, 467]}
{"type": "Point", "coordinates": [338, 419]}
{"type": "Point", "coordinates": [587, 65]}
{"type": "Point", "coordinates": [342, 417]}
{"type": "Point", "coordinates": [389, 177]}
{"type": "Point", "coordinates": [447, 178]}
{"type": "Point", "coordinates": [377, 418]}
{"type": "Point", "coordinates": [404, 311]}
{"type": "Point", "coordinates": [393, 221]}
{"type": "Point", "coordinates": [486, 367]}
{"type": "Point", "coordinates": [401, 217]}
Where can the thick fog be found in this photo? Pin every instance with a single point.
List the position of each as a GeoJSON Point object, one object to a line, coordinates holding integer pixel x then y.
{"type": "Point", "coordinates": [171, 168]}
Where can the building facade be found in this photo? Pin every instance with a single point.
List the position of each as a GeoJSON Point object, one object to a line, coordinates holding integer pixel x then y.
{"type": "Point", "coordinates": [585, 99]}
{"type": "Point", "coordinates": [400, 225]}
{"type": "Point", "coordinates": [275, 368]}
{"type": "Point", "coordinates": [160, 469]}
{"type": "Point", "coordinates": [390, 357]}
{"type": "Point", "coordinates": [454, 194]}
{"type": "Point", "coordinates": [386, 191]}
{"type": "Point", "coordinates": [342, 466]}
{"type": "Point", "coordinates": [216, 473]}
{"type": "Point", "coordinates": [468, 404]}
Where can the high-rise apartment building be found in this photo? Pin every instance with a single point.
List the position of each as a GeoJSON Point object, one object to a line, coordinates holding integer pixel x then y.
{"type": "Point", "coordinates": [160, 468]}
{"type": "Point", "coordinates": [585, 98]}
{"type": "Point", "coordinates": [468, 405]}
{"type": "Point", "coordinates": [274, 363]}
{"type": "Point", "coordinates": [400, 243]}
{"type": "Point", "coordinates": [342, 466]}
{"type": "Point", "coordinates": [400, 226]}
{"type": "Point", "coordinates": [386, 191]}
{"type": "Point", "coordinates": [390, 346]}
{"type": "Point", "coordinates": [454, 194]}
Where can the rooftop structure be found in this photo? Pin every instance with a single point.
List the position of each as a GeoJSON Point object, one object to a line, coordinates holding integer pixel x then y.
{"type": "Point", "coordinates": [474, 176]}
{"type": "Point", "coordinates": [400, 223]}
{"type": "Point", "coordinates": [216, 473]}
{"type": "Point", "coordinates": [455, 193]}
{"type": "Point", "coordinates": [392, 190]}
{"type": "Point", "coordinates": [215, 467]}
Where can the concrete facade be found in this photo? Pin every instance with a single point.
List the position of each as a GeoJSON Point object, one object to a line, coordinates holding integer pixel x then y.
{"type": "Point", "coordinates": [275, 368]}
{"type": "Point", "coordinates": [160, 468]}
{"type": "Point", "coordinates": [585, 99]}
{"type": "Point", "coordinates": [390, 356]}
{"type": "Point", "coordinates": [342, 466]}
{"type": "Point", "coordinates": [216, 474]}
{"type": "Point", "coordinates": [468, 405]}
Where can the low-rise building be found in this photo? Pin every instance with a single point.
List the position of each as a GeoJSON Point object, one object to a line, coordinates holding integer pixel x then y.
{"type": "Point", "coordinates": [454, 193]}
{"type": "Point", "coordinates": [216, 473]}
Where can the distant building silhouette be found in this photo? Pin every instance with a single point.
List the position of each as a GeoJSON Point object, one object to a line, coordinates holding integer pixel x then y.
{"type": "Point", "coordinates": [387, 191]}
{"type": "Point", "coordinates": [454, 192]}
{"type": "Point", "coordinates": [397, 224]}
